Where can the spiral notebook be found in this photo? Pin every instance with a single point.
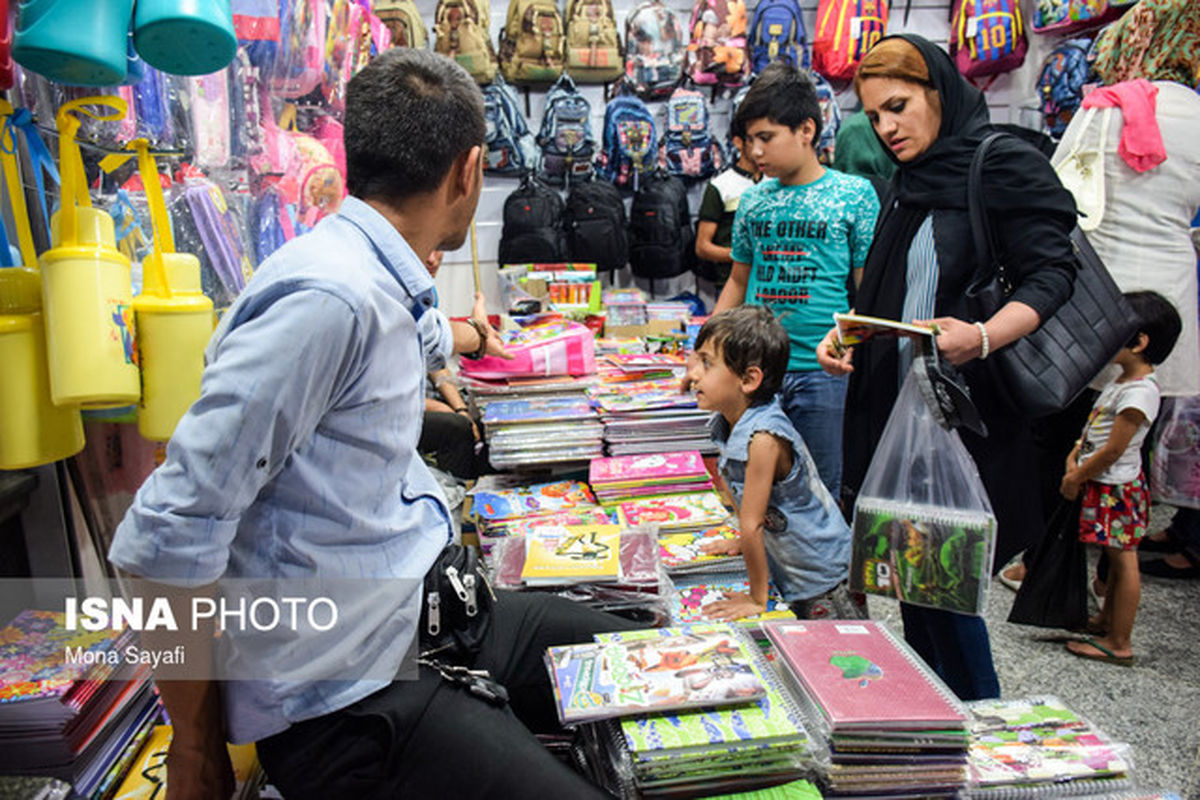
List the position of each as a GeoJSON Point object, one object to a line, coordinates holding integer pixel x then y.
{"type": "Point", "coordinates": [926, 555]}
{"type": "Point", "coordinates": [861, 677]}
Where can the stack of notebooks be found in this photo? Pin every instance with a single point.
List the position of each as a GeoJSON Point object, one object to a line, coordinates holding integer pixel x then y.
{"type": "Point", "coordinates": [621, 478]}
{"type": "Point", "coordinates": [702, 713]}
{"type": "Point", "coordinates": [624, 307]}
{"type": "Point", "coordinates": [80, 721]}
{"type": "Point", "coordinates": [657, 429]}
{"type": "Point", "coordinates": [668, 309]}
{"type": "Point", "coordinates": [891, 726]}
{"type": "Point", "coordinates": [485, 392]}
{"type": "Point", "coordinates": [691, 512]}
{"type": "Point", "coordinates": [1039, 747]}
{"type": "Point", "coordinates": [564, 502]}
{"type": "Point", "coordinates": [625, 367]}
{"type": "Point", "coordinates": [529, 433]}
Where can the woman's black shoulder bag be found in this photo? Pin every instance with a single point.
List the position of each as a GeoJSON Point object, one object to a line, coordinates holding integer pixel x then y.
{"type": "Point", "coordinates": [1042, 372]}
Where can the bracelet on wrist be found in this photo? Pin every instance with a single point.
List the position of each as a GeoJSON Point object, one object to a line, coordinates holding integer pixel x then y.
{"type": "Point", "coordinates": [984, 344]}
{"type": "Point", "coordinates": [482, 333]}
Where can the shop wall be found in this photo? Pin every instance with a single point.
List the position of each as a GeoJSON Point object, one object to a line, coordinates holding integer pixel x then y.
{"type": "Point", "coordinates": [1011, 99]}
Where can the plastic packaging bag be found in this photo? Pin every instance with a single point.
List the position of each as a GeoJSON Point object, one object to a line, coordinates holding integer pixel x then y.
{"type": "Point", "coordinates": [924, 531]}
{"type": "Point", "coordinates": [1175, 471]}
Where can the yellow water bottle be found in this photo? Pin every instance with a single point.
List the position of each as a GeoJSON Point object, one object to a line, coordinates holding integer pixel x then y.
{"type": "Point", "coordinates": [174, 319]}
{"type": "Point", "coordinates": [87, 290]}
{"type": "Point", "coordinates": [33, 430]}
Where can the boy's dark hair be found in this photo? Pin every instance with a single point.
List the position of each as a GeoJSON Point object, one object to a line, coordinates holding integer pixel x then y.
{"type": "Point", "coordinates": [785, 96]}
{"type": "Point", "coordinates": [409, 114]}
{"type": "Point", "coordinates": [1159, 320]}
{"type": "Point", "coordinates": [750, 336]}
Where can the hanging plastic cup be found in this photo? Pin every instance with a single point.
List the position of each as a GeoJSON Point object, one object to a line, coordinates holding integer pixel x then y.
{"type": "Point", "coordinates": [174, 319]}
{"type": "Point", "coordinates": [77, 42]}
{"type": "Point", "coordinates": [87, 290]}
{"type": "Point", "coordinates": [33, 430]}
{"type": "Point", "coordinates": [185, 37]}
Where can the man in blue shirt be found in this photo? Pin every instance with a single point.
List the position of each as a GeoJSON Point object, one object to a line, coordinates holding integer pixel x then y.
{"type": "Point", "coordinates": [299, 461]}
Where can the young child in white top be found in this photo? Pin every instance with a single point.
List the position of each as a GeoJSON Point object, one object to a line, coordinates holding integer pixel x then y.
{"type": "Point", "coordinates": [1105, 468]}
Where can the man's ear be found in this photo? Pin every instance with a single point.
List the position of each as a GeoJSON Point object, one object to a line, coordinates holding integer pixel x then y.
{"type": "Point", "coordinates": [751, 379]}
{"type": "Point", "coordinates": [468, 171]}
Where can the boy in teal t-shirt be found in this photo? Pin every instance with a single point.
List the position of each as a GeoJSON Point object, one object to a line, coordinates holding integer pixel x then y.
{"type": "Point", "coordinates": [798, 237]}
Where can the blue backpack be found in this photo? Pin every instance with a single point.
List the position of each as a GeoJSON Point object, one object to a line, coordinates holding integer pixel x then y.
{"type": "Point", "coordinates": [630, 141]}
{"type": "Point", "coordinates": [566, 136]}
{"type": "Point", "coordinates": [688, 149]}
{"type": "Point", "coordinates": [1060, 84]}
{"type": "Point", "coordinates": [777, 33]}
{"type": "Point", "coordinates": [831, 118]}
{"type": "Point", "coordinates": [509, 143]}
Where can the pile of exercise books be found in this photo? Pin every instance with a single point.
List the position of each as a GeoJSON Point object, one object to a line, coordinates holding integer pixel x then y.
{"type": "Point", "coordinates": [624, 307]}
{"type": "Point", "coordinates": [497, 508]}
{"type": "Point", "coordinates": [621, 478]}
{"type": "Point", "coordinates": [485, 392]}
{"type": "Point", "coordinates": [693, 592]}
{"type": "Point", "coordinates": [668, 309]}
{"type": "Point", "coordinates": [922, 554]}
{"type": "Point", "coordinates": [742, 745]}
{"type": "Point", "coordinates": [72, 706]}
{"type": "Point", "coordinates": [525, 433]}
{"type": "Point", "coordinates": [890, 725]}
{"type": "Point", "coordinates": [691, 512]}
{"type": "Point", "coordinates": [651, 416]}
{"type": "Point", "coordinates": [1037, 747]}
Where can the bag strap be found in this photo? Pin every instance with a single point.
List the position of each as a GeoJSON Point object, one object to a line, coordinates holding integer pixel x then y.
{"type": "Point", "coordinates": [981, 231]}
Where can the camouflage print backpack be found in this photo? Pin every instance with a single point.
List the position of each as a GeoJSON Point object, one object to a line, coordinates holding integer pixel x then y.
{"type": "Point", "coordinates": [531, 44]}
{"type": "Point", "coordinates": [462, 34]}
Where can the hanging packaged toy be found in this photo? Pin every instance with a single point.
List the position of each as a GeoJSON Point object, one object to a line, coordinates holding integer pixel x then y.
{"type": "Point", "coordinates": [924, 532]}
{"type": "Point", "coordinates": [86, 285]}
{"type": "Point", "coordinates": [1175, 474]}
{"type": "Point", "coordinates": [208, 97]}
{"type": "Point", "coordinates": [32, 429]}
{"type": "Point", "coordinates": [296, 66]}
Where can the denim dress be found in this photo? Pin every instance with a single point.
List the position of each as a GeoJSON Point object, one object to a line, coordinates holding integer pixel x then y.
{"type": "Point", "coordinates": [806, 539]}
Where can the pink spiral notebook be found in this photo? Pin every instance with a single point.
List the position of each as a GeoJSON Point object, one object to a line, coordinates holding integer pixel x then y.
{"type": "Point", "coordinates": [859, 675]}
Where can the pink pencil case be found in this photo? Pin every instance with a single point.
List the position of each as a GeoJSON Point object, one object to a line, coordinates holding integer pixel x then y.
{"type": "Point", "coordinates": [572, 351]}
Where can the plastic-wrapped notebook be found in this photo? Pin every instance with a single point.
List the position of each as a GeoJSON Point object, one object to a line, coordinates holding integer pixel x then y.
{"type": "Point", "coordinates": [683, 553]}
{"type": "Point", "coordinates": [861, 677]}
{"type": "Point", "coordinates": [536, 499]}
{"type": "Point", "coordinates": [657, 468]}
{"type": "Point", "coordinates": [555, 554]}
{"type": "Point", "coordinates": [505, 412]}
{"type": "Point", "coordinates": [695, 511]}
{"type": "Point", "coordinates": [667, 673]}
{"type": "Point", "coordinates": [925, 555]}
{"type": "Point", "coordinates": [694, 592]}
{"type": "Point", "coordinates": [1038, 746]}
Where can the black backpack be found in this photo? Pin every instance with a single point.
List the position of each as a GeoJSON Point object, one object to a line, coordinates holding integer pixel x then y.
{"type": "Point", "coordinates": [533, 225]}
{"type": "Point", "coordinates": [595, 224]}
{"type": "Point", "coordinates": [661, 240]}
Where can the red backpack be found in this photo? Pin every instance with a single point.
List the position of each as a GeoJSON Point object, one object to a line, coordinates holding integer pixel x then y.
{"type": "Point", "coordinates": [987, 38]}
{"type": "Point", "coordinates": [846, 31]}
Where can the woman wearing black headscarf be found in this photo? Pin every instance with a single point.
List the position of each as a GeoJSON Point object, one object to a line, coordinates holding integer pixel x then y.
{"type": "Point", "coordinates": [930, 122]}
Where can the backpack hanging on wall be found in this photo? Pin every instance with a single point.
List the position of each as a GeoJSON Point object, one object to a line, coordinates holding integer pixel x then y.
{"type": "Point", "coordinates": [831, 118]}
{"type": "Point", "coordinates": [846, 31]}
{"type": "Point", "coordinates": [565, 138]}
{"type": "Point", "coordinates": [593, 49]}
{"type": "Point", "coordinates": [777, 33]}
{"type": "Point", "coordinates": [716, 53]}
{"type": "Point", "coordinates": [510, 146]}
{"type": "Point", "coordinates": [630, 141]}
{"type": "Point", "coordinates": [404, 21]}
{"type": "Point", "coordinates": [1059, 17]}
{"type": "Point", "coordinates": [987, 38]}
{"type": "Point", "coordinates": [531, 44]}
{"type": "Point", "coordinates": [533, 228]}
{"type": "Point", "coordinates": [595, 223]}
{"type": "Point", "coordinates": [462, 34]}
{"type": "Point", "coordinates": [654, 50]}
{"type": "Point", "coordinates": [687, 148]}
{"type": "Point", "coordinates": [1060, 84]}
{"type": "Point", "coordinates": [734, 104]}
{"type": "Point", "coordinates": [661, 239]}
